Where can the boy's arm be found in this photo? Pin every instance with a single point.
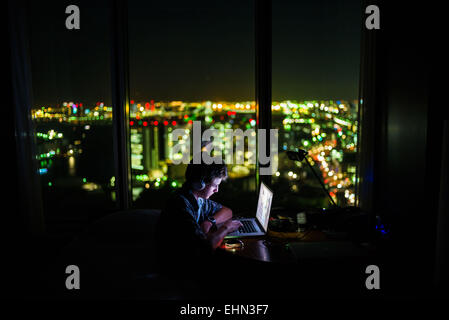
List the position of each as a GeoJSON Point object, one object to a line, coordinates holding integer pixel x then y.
{"type": "Point", "coordinates": [221, 216]}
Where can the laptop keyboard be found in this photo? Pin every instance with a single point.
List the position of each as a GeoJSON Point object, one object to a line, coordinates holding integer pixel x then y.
{"type": "Point", "coordinates": [247, 227]}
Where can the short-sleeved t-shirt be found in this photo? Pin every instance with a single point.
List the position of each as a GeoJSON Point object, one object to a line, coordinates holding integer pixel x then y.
{"type": "Point", "coordinates": [179, 235]}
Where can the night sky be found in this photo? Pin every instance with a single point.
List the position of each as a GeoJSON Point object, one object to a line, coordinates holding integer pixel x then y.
{"type": "Point", "coordinates": [196, 50]}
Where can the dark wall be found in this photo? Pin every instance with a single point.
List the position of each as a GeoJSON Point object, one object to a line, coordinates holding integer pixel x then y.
{"type": "Point", "coordinates": [408, 137]}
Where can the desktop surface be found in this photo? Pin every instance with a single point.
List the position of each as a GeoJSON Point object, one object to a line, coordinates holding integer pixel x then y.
{"type": "Point", "coordinates": [307, 246]}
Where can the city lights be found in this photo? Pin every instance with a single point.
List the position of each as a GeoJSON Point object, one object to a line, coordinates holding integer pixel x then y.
{"type": "Point", "coordinates": [327, 129]}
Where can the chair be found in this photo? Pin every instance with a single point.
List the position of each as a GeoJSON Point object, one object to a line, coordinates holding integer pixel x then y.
{"type": "Point", "coordinates": [117, 259]}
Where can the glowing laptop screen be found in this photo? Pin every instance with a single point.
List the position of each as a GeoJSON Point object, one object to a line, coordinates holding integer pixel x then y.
{"type": "Point", "coordinates": [264, 206]}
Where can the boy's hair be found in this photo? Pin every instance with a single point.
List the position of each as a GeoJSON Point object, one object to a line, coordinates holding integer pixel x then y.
{"type": "Point", "coordinates": [203, 173]}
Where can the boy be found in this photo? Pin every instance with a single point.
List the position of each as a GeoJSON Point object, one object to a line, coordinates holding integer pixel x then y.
{"type": "Point", "coordinates": [192, 226]}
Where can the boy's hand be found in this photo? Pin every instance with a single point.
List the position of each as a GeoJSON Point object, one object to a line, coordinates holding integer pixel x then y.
{"type": "Point", "coordinates": [232, 225]}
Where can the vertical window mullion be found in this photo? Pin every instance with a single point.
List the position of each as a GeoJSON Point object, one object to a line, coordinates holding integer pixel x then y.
{"type": "Point", "coordinates": [120, 102]}
{"type": "Point", "coordinates": [369, 118]}
{"type": "Point", "coordinates": [263, 76]}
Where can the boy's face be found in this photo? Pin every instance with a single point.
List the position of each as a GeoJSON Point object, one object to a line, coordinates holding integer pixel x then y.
{"type": "Point", "coordinates": [210, 189]}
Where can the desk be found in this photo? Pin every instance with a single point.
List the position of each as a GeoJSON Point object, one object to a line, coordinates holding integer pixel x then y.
{"type": "Point", "coordinates": [317, 267]}
{"type": "Point", "coordinates": [255, 248]}
{"type": "Point", "coordinates": [272, 248]}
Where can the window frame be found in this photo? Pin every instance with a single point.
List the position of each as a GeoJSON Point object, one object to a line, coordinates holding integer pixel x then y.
{"type": "Point", "coordinates": [21, 84]}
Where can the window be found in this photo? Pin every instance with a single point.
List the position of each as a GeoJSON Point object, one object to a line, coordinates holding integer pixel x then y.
{"type": "Point", "coordinates": [189, 61]}
{"type": "Point", "coordinates": [193, 63]}
{"type": "Point", "coordinates": [316, 49]}
{"type": "Point", "coordinates": [71, 112]}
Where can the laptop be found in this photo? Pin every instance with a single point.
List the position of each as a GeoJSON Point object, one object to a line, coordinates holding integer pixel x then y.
{"type": "Point", "coordinates": [257, 226]}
